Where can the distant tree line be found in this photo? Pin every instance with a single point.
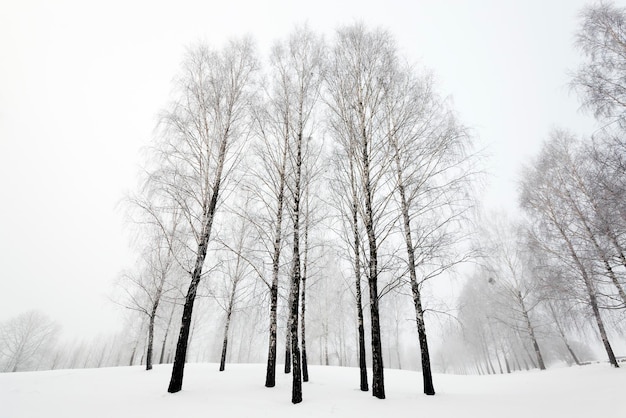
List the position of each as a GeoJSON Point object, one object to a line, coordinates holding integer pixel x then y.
{"type": "Point", "coordinates": [555, 280]}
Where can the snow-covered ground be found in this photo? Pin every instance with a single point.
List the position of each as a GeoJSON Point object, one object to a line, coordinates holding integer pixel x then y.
{"type": "Point", "coordinates": [589, 391]}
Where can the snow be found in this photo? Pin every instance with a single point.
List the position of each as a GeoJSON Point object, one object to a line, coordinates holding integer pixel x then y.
{"type": "Point", "coordinates": [593, 390]}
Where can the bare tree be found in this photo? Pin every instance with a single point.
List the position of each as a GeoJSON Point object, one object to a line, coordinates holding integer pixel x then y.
{"type": "Point", "coordinates": [194, 156]}
{"type": "Point", "coordinates": [433, 173]}
{"type": "Point", "coordinates": [159, 271]}
{"type": "Point", "coordinates": [24, 339]}
{"type": "Point", "coordinates": [509, 265]}
{"type": "Point", "coordinates": [236, 271]}
{"type": "Point", "coordinates": [346, 200]}
{"type": "Point", "coordinates": [600, 79]}
{"type": "Point", "coordinates": [555, 228]}
{"type": "Point", "coordinates": [283, 124]}
{"type": "Point", "coordinates": [298, 63]}
{"type": "Point", "coordinates": [357, 82]}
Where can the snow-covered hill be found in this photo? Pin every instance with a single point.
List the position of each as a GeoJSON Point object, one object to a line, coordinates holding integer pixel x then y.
{"type": "Point", "coordinates": [588, 391]}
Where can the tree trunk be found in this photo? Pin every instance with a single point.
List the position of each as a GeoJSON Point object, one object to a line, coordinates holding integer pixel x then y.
{"type": "Point", "coordinates": [506, 363]}
{"type": "Point", "coordinates": [229, 312]}
{"type": "Point", "coordinates": [288, 342]}
{"type": "Point", "coordinates": [357, 275]}
{"type": "Point", "coordinates": [593, 301]}
{"type": "Point", "coordinates": [599, 249]}
{"type": "Point", "coordinates": [427, 377]}
{"type": "Point", "coordinates": [498, 359]}
{"type": "Point", "coordinates": [176, 381]}
{"type": "Point", "coordinates": [151, 335]}
{"type": "Point", "coordinates": [270, 374]}
{"type": "Point", "coordinates": [326, 358]}
{"type": "Point", "coordinates": [135, 347]}
{"type": "Point", "coordinates": [596, 313]}
{"type": "Point", "coordinates": [132, 354]}
{"type": "Point", "coordinates": [562, 334]}
{"type": "Point", "coordinates": [296, 388]}
{"type": "Point", "coordinates": [305, 368]}
{"type": "Point", "coordinates": [167, 331]}
{"type": "Point", "coordinates": [378, 379]}
{"type": "Point", "coordinates": [531, 332]}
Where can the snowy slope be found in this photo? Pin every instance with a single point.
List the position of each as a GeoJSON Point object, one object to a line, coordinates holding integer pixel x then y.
{"type": "Point", "coordinates": [595, 390]}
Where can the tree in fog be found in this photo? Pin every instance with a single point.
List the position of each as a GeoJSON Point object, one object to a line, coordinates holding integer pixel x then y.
{"type": "Point", "coordinates": [234, 273]}
{"type": "Point", "coordinates": [284, 127]}
{"type": "Point", "coordinates": [158, 265]}
{"type": "Point", "coordinates": [299, 63]}
{"type": "Point", "coordinates": [357, 80]}
{"type": "Point", "coordinates": [432, 175]}
{"type": "Point", "coordinates": [194, 154]}
{"type": "Point", "coordinates": [510, 268]}
{"type": "Point", "coordinates": [312, 214]}
{"type": "Point", "coordinates": [601, 83]}
{"type": "Point", "coordinates": [601, 78]}
{"type": "Point", "coordinates": [346, 200]}
{"type": "Point", "coordinates": [547, 193]}
{"type": "Point", "coordinates": [25, 339]}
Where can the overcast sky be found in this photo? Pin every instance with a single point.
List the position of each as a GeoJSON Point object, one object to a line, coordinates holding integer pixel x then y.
{"type": "Point", "coordinates": [81, 83]}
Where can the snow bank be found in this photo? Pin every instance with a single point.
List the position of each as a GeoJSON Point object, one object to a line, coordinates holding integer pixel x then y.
{"type": "Point", "coordinates": [595, 390]}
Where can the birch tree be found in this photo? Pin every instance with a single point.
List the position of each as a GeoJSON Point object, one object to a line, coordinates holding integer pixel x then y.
{"type": "Point", "coordinates": [432, 174]}
{"type": "Point", "coordinates": [601, 78]}
{"type": "Point", "coordinates": [234, 275]}
{"type": "Point", "coordinates": [346, 199]}
{"type": "Point", "coordinates": [24, 339]}
{"type": "Point", "coordinates": [510, 268]}
{"type": "Point", "coordinates": [555, 224]}
{"type": "Point", "coordinates": [357, 82]}
{"type": "Point", "coordinates": [299, 64]}
{"type": "Point", "coordinates": [195, 152]}
{"type": "Point", "coordinates": [159, 271]}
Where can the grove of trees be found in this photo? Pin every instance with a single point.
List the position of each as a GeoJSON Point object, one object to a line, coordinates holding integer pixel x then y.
{"type": "Point", "coordinates": [309, 202]}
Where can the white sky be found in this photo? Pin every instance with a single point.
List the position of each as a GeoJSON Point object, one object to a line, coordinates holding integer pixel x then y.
{"type": "Point", "coordinates": [81, 83]}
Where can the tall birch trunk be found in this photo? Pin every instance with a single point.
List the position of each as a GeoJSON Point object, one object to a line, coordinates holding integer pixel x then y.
{"type": "Point", "coordinates": [427, 377]}
{"type": "Point", "coordinates": [296, 388]}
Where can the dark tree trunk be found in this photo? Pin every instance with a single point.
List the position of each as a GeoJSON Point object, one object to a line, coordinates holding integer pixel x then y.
{"type": "Point", "coordinates": [305, 368]}
{"type": "Point", "coordinates": [288, 344]}
{"type": "Point", "coordinates": [229, 312]}
{"type": "Point", "coordinates": [357, 275]}
{"type": "Point", "coordinates": [176, 381]}
{"type": "Point", "coordinates": [224, 347]}
{"type": "Point", "coordinates": [378, 378]}
{"type": "Point", "coordinates": [427, 377]}
{"type": "Point", "coordinates": [270, 374]}
{"type": "Point", "coordinates": [151, 336]}
{"type": "Point", "coordinates": [296, 388]}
